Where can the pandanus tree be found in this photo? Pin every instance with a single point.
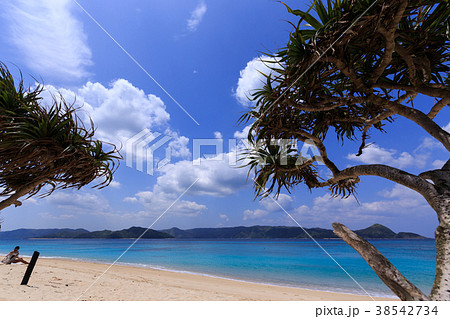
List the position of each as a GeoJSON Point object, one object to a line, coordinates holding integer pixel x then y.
{"type": "Point", "coordinates": [352, 67]}
{"type": "Point", "coordinates": [46, 147]}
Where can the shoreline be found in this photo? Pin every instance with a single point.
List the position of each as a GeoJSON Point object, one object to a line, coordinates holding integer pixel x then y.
{"type": "Point", "coordinates": [66, 279]}
{"type": "Point", "coordinates": [188, 272]}
{"type": "Point", "coordinates": [244, 280]}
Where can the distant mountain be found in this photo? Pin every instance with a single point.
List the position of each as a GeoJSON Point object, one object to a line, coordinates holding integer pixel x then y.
{"type": "Point", "coordinates": [375, 231]}
{"type": "Point", "coordinates": [249, 232]}
{"type": "Point", "coordinates": [34, 233]}
{"type": "Point", "coordinates": [66, 233]}
{"type": "Point", "coordinates": [403, 235]}
{"type": "Point", "coordinates": [133, 232]}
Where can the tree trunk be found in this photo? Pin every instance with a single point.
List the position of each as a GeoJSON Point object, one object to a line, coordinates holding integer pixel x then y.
{"type": "Point", "coordinates": [441, 205]}
{"type": "Point", "coordinates": [382, 267]}
{"type": "Point", "coordinates": [441, 286]}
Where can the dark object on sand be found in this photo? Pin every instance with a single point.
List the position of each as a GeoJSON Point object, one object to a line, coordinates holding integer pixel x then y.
{"type": "Point", "coordinates": [30, 268]}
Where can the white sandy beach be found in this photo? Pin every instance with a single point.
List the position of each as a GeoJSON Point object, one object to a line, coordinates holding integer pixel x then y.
{"type": "Point", "coordinates": [61, 279]}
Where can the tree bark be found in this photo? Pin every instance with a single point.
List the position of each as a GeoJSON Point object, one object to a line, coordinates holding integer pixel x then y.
{"type": "Point", "coordinates": [382, 267]}
{"type": "Point", "coordinates": [441, 285]}
{"type": "Point", "coordinates": [441, 180]}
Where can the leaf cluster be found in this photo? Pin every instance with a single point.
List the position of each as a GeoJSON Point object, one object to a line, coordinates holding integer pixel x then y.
{"type": "Point", "coordinates": [47, 146]}
{"type": "Point", "coordinates": [340, 59]}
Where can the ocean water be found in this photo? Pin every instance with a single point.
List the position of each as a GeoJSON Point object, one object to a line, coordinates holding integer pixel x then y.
{"type": "Point", "coordinates": [294, 263]}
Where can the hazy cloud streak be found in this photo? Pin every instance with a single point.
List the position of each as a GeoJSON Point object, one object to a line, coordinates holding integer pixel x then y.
{"type": "Point", "coordinates": [48, 37]}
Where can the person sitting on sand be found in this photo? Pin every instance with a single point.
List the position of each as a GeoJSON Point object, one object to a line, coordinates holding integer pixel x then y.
{"type": "Point", "coordinates": [13, 257]}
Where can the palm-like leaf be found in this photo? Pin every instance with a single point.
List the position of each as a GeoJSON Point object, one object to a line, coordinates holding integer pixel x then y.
{"type": "Point", "coordinates": [312, 96]}
{"type": "Point", "coordinates": [47, 146]}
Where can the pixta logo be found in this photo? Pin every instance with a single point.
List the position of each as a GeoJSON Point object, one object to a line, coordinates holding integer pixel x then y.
{"type": "Point", "coordinates": [141, 149]}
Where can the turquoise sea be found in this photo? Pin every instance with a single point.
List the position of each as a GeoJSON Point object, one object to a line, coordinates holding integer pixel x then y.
{"type": "Point", "coordinates": [296, 263]}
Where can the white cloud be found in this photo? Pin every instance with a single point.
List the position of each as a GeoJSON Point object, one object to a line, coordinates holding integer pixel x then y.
{"type": "Point", "coordinates": [196, 16]}
{"type": "Point", "coordinates": [47, 215]}
{"type": "Point", "coordinates": [251, 79]}
{"type": "Point", "coordinates": [120, 111]}
{"type": "Point", "coordinates": [114, 184]}
{"type": "Point", "coordinates": [243, 134]}
{"type": "Point", "coordinates": [395, 202]}
{"type": "Point", "coordinates": [156, 202]}
{"type": "Point", "coordinates": [374, 154]}
{"type": "Point", "coordinates": [254, 214]}
{"type": "Point", "coordinates": [48, 37]}
{"type": "Point", "coordinates": [438, 164]}
{"type": "Point", "coordinates": [447, 127]}
{"type": "Point", "coordinates": [273, 204]}
{"type": "Point", "coordinates": [216, 177]}
{"type": "Point", "coordinates": [270, 206]}
{"type": "Point", "coordinates": [218, 135]}
{"type": "Point", "coordinates": [224, 217]}
{"type": "Point", "coordinates": [428, 144]}
{"type": "Point", "coordinates": [78, 201]}
{"type": "Point", "coordinates": [178, 144]}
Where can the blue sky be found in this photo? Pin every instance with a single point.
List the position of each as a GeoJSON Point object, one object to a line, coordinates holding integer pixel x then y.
{"type": "Point", "coordinates": [203, 53]}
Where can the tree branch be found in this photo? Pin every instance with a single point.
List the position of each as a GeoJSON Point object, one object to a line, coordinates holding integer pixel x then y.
{"type": "Point", "coordinates": [440, 178]}
{"type": "Point", "coordinates": [389, 36]}
{"type": "Point", "coordinates": [322, 105]}
{"type": "Point", "coordinates": [323, 152]}
{"type": "Point", "coordinates": [411, 181]}
{"type": "Point", "coordinates": [434, 91]}
{"type": "Point", "coordinates": [438, 107]}
{"type": "Point", "coordinates": [348, 72]}
{"type": "Point", "coordinates": [417, 117]}
{"type": "Point", "coordinates": [409, 62]}
{"type": "Point", "coordinates": [302, 165]}
{"type": "Point", "coordinates": [381, 265]}
{"type": "Point", "coordinates": [14, 198]}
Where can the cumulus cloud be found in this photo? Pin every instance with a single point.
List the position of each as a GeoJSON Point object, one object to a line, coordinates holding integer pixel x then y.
{"type": "Point", "coordinates": [255, 214]}
{"type": "Point", "coordinates": [447, 127]}
{"type": "Point", "coordinates": [196, 16]}
{"type": "Point", "coordinates": [242, 134]}
{"type": "Point", "coordinates": [47, 215]}
{"type": "Point", "coordinates": [114, 184]}
{"type": "Point", "coordinates": [269, 206]}
{"type": "Point", "coordinates": [121, 110]}
{"type": "Point", "coordinates": [395, 202]}
{"type": "Point", "coordinates": [273, 204]}
{"type": "Point", "coordinates": [215, 176]}
{"type": "Point", "coordinates": [438, 164]}
{"type": "Point", "coordinates": [251, 78]}
{"type": "Point", "coordinates": [399, 199]}
{"type": "Point", "coordinates": [429, 144]}
{"type": "Point", "coordinates": [157, 201]}
{"type": "Point", "coordinates": [49, 38]}
{"type": "Point", "coordinates": [78, 202]}
{"type": "Point", "coordinates": [376, 154]}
